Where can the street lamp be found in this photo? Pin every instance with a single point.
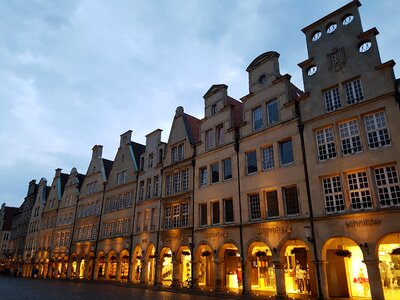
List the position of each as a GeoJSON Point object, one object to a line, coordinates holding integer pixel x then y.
{"type": "Point", "coordinates": [308, 233]}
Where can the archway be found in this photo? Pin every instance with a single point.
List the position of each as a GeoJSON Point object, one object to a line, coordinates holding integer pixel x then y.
{"type": "Point", "coordinates": [262, 270]}
{"type": "Point", "coordinates": [124, 261]}
{"type": "Point", "coordinates": [81, 267]}
{"type": "Point", "coordinates": [389, 267]}
{"type": "Point", "coordinates": [112, 265]}
{"type": "Point", "coordinates": [346, 273]}
{"type": "Point", "coordinates": [149, 269]}
{"type": "Point", "coordinates": [166, 272]}
{"type": "Point", "coordinates": [299, 277]}
{"type": "Point", "coordinates": [184, 265]}
{"type": "Point", "coordinates": [205, 267]}
{"type": "Point", "coordinates": [231, 266]}
{"type": "Point", "coordinates": [137, 264]}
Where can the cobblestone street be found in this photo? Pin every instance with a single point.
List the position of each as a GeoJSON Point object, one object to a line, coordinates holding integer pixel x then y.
{"type": "Point", "coordinates": [20, 288]}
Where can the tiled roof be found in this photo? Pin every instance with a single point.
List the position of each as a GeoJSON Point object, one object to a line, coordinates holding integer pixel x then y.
{"type": "Point", "coordinates": [295, 93]}
{"type": "Point", "coordinates": [137, 149]}
{"type": "Point", "coordinates": [9, 213]}
{"type": "Point", "coordinates": [192, 125]}
{"type": "Point", "coordinates": [107, 166]}
{"type": "Point", "coordinates": [237, 112]}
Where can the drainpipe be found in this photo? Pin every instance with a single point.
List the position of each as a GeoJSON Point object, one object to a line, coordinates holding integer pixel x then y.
{"type": "Point", "coordinates": [236, 145]}
{"type": "Point", "coordinates": [310, 206]}
{"type": "Point", "coordinates": [158, 230]}
{"type": "Point", "coordinates": [98, 228]}
{"type": "Point", "coordinates": [191, 244]}
{"type": "Point", "coordinates": [73, 226]}
{"type": "Point", "coordinates": [133, 225]}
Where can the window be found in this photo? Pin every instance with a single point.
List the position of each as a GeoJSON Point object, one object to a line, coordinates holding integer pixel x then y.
{"type": "Point", "coordinates": [185, 180]}
{"type": "Point", "coordinates": [334, 201]}
{"type": "Point", "coordinates": [174, 154]}
{"type": "Point", "coordinates": [387, 182]}
{"type": "Point", "coordinates": [228, 210]}
{"type": "Point", "coordinates": [377, 131]}
{"type": "Point", "coordinates": [160, 156]}
{"type": "Point", "coordinates": [272, 204]}
{"type": "Point", "coordinates": [177, 182]}
{"type": "Point", "coordinates": [139, 221]}
{"type": "Point", "coordinates": [141, 190]}
{"type": "Point", "coordinates": [148, 192]}
{"type": "Point", "coordinates": [185, 214]}
{"type": "Point", "coordinates": [153, 218]}
{"type": "Point", "coordinates": [286, 152]}
{"type": "Point", "coordinates": [227, 168]}
{"type": "Point", "coordinates": [359, 190]}
{"type": "Point", "coordinates": [120, 179]}
{"type": "Point", "coordinates": [332, 99]}
{"type": "Point", "coordinates": [168, 185]}
{"type": "Point", "coordinates": [146, 219]}
{"type": "Point", "coordinates": [325, 143]}
{"type": "Point", "coordinates": [272, 112]}
{"type": "Point", "coordinates": [214, 172]}
{"type": "Point", "coordinates": [156, 186]}
{"type": "Point", "coordinates": [354, 91]}
{"type": "Point", "coordinates": [167, 217]}
{"type": "Point", "coordinates": [126, 226]}
{"type": "Point", "coordinates": [251, 160]}
{"type": "Point", "coordinates": [255, 209]}
{"type": "Point", "coordinates": [151, 159]}
{"type": "Point", "coordinates": [203, 214]}
{"type": "Point", "coordinates": [215, 213]}
{"type": "Point", "coordinates": [176, 215]}
{"type": "Point", "coordinates": [181, 151]}
{"type": "Point", "coordinates": [267, 158]}
{"type": "Point", "coordinates": [291, 201]}
{"type": "Point", "coordinates": [213, 109]}
{"type": "Point", "coordinates": [203, 176]}
{"type": "Point", "coordinates": [350, 138]}
{"type": "Point", "coordinates": [257, 118]}
{"type": "Point", "coordinates": [209, 139]}
{"type": "Point", "coordinates": [219, 135]}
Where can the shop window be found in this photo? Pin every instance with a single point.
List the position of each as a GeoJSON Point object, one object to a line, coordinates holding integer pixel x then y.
{"type": "Point", "coordinates": [272, 204]}
{"type": "Point", "coordinates": [387, 182]}
{"type": "Point", "coordinates": [291, 201]}
{"type": "Point", "coordinates": [377, 131]}
{"type": "Point", "coordinates": [254, 205]}
{"type": "Point", "coordinates": [251, 161]}
{"type": "Point", "coordinates": [228, 210]}
{"type": "Point", "coordinates": [325, 143]}
{"type": "Point", "coordinates": [360, 196]}
{"type": "Point", "coordinates": [334, 201]}
{"type": "Point", "coordinates": [350, 137]}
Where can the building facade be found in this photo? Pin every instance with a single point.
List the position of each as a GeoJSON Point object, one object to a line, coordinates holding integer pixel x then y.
{"type": "Point", "coordinates": [6, 218]}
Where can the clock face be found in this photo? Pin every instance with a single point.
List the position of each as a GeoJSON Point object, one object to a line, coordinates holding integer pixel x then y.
{"type": "Point", "coordinates": [262, 80]}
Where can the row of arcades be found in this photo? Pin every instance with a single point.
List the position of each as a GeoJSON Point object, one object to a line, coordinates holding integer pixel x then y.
{"type": "Point", "coordinates": [347, 269]}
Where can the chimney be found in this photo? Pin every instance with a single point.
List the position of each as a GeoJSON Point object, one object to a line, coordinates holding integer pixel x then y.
{"type": "Point", "coordinates": [97, 151]}
{"type": "Point", "coordinates": [58, 172]}
{"type": "Point", "coordinates": [125, 138]}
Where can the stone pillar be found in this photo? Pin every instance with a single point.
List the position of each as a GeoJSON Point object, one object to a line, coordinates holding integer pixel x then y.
{"type": "Point", "coordinates": [118, 269]}
{"type": "Point", "coordinates": [69, 269]}
{"type": "Point", "coordinates": [50, 270]}
{"type": "Point", "coordinates": [195, 270]}
{"type": "Point", "coordinates": [106, 269]}
{"type": "Point", "coordinates": [280, 280]}
{"type": "Point", "coordinates": [246, 286]}
{"type": "Point", "coordinates": [63, 269]}
{"type": "Point", "coordinates": [175, 271]}
{"type": "Point", "coordinates": [158, 278]}
{"type": "Point", "coordinates": [324, 292]}
{"type": "Point", "coordinates": [131, 272]}
{"type": "Point", "coordinates": [78, 268]}
{"type": "Point", "coordinates": [374, 278]}
{"type": "Point", "coordinates": [96, 265]}
{"type": "Point", "coordinates": [218, 275]}
{"type": "Point", "coordinates": [143, 271]}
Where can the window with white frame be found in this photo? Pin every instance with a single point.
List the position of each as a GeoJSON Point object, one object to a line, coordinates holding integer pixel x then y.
{"type": "Point", "coordinates": [272, 112]}
{"type": "Point", "coordinates": [257, 118]}
{"type": "Point", "coordinates": [156, 185]}
{"type": "Point", "coordinates": [251, 162]}
{"type": "Point", "coordinates": [119, 227]}
{"type": "Point", "coordinates": [354, 91]}
{"type": "Point", "coordinates": [126, 226]}
{"type": "Point", "coordinates": [151, 160]}
{"type": "Point", "coordinates": [203, 176]}
{"type": "Point", "coordinates": [176, 215]}
{"type": "Point", "coordinates": [168, 184]}
{"type": "Point", "coordinates": [184, 214]}
{"type": "Point", "coordinates": [219, 135]}
{"type": "Point", "coordinates": [325, 143]}
{"type": "Point", "coordinates": [146, 220]}
{"type": "Point", "coordinates": [360, 195]}
{"type": "Point", "coordinates": [185, 180]}
{"type": "Point", "coordinates": [272, 204]}
{"type": "Point", "coordinates": [174, 154]}
{"type": "Point", "coordinates": [332, 99]}
{"type": "Point", "coordinates": [291, 200]}
{"type": "Point", "coordinates": [167, 217]}
{"type": "Point", "coordinates": [334, 201]}
{"type": "Point", "coordinates": [177, 182]}
{"type": "Point", "coordinates": [209, 139]}
{"type": "Point", "coordinates": [387, 182]}
{"type": "Point", "coordinates": [377, 131]}
{"type": "Point", "coordinates": [350, 137]}
{"type": "Point", "coordinates": [268, 158]}
{"type": "Point", "coordinates": [181, 151]}
{"type": "Point", "coordinates": [254, 205]}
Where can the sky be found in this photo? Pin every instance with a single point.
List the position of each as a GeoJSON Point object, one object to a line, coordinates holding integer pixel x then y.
{"type": "Point", "coordinates": [79, 73]}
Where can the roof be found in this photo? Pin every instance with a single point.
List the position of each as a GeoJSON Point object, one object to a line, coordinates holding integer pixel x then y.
{"type": "Point", "coordinates": [137, 149]}
{"type": "Point", "coordinates": [107, 166]}
{"type": "Point", "coordinates": [9, 213]}
{"type": "Point", "coordinates": [214, 88]}
{"type": "Point", "coordinates": [261, 58]}
{"type": "Point", "coordinates": [295, 93]}
{"type": "Point", "coordinates": [63, 180]}
{"type": "Point", "coordinates": [192, 125]}
{"type": "Point", "coordinates": [237, 111]}
{"type": "Point", "coordinates": [81, 177]}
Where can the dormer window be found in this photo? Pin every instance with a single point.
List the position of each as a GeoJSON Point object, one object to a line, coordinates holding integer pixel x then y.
{"type": "Point", "coordinates": [177, 153]}
{"type": "Point", "coordinates": [219, 135]}
{"type": "Point", "coordinates": [213, 109]}
{"type": "Point", "coordinates": [209, 139]}
{"type": "Point", "coordinates": [150, 160]}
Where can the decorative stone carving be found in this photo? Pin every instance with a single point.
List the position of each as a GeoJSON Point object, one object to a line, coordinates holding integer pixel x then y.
{"type": "Point", "coordinates": [336, 59]}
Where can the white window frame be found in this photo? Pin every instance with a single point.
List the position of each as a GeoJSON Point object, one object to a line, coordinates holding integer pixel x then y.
{"type": "Point", "coordinates": [354, 92]}
{"type": "Point", "coordinates": [333, 193]}
{"type": "Point", "coordinates": [359, 192]}
{"type": "Point", "coordinates": [350, 137]}
{"type": "Point", "coordinates": [388, 185]}
{"type": "Point", "coordinates": [332, 99]}
{"type": "Point", "coordinates": [377, 130]}
{"type": "Point", "coordinates": [326, 147]}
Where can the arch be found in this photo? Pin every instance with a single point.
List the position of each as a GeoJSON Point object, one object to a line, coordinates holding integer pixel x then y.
{"type": "Point", "coordinates": [231, 270]}
{"type": "Point", "coordinates": [204, 256]}
{"type": "Point", "coordinates": [124, 265]}
{"type": "Point", "coordinates": [137, 263]}
{"type": "Point", "coordinates": [167, 267]}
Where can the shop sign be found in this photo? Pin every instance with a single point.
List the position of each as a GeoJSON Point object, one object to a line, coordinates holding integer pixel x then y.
{"type": "Point", "coordinates": [277, 229]}
{"type": "Point", "coordinates": [174, 238]}
{"type": "Point", "coordinates": [363, 223]}
{"type": "Point", "coordinates": [218, 234]}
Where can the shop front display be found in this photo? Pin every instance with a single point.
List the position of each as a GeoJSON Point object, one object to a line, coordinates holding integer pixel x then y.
{"type": "Point", "coordinates": [233, 268]}
{"type": "Point", "coordinates": [389, 267]}
{"type": "Point", "coordinates": [167, 268]}
{"type": "Point", "coordinates": [262, 272]}
{"type": "Point", "coordinates": [297, 278]}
